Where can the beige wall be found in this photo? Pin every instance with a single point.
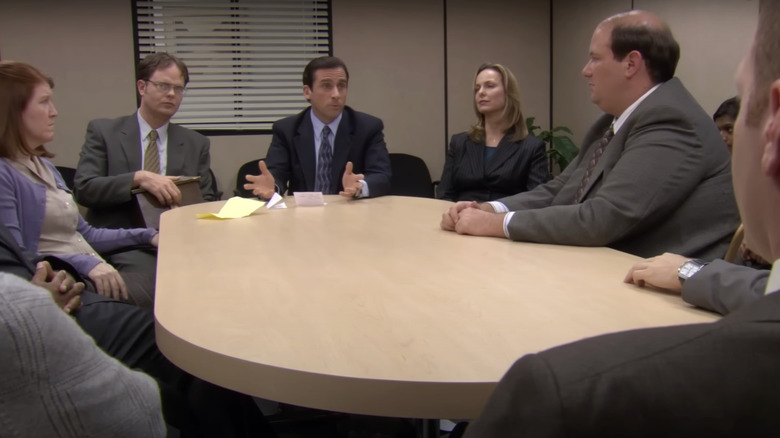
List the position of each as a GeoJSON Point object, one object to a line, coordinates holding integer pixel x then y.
{"type": "Point", "coordinates": [396, 56]}
{"type": "Point", "coordinates": [713, 36]}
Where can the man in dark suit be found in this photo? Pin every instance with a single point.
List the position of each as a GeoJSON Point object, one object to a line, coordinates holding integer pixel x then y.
{"type": "Point", "coordinates": [652, 175]}
{"type": "Point", "coordinates": [329, 147]}
{"type": "Point", "coordinates": [717, 379]}
{"type": "Point", "coordinates": [142, 150]}
{"type": "Point", "coordinates": [126, 332]}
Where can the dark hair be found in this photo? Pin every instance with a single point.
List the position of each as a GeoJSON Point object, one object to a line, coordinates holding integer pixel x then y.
{"type": "Point", "coordinates": [156, 61]}
{"type": "Point", "coordinates": [766, 63]}
{"type": "Point", "coordinates": [513, 112]}
{"type": "Point", "coordinates": [321, 63]}
{"type": "Point", "coordinates": [656, 44]}
{"type": "Point", "coordinates": [17, 85]}
{"type": "Point", "coordinates": [729, 108]}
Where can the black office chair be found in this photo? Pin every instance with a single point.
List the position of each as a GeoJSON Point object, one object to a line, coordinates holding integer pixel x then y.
{"type": "Point", "coordinates": [214, 186]}
{"type": "Point", "coordinates": [410, 176]}
{"type": "Point", "coordinates": [68, 174]}
{"type": "Point", "coordinates": [248, 168]}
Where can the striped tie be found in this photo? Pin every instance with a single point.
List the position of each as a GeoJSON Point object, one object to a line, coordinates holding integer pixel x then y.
{"type": "Point", "coordinates": [322, 183]}
{"type": "Point", "coordinates": [151, 155]}
{"type": "Point", "coordinates": [597, 153]}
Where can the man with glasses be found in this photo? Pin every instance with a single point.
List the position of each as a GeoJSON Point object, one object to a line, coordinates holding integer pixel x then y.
{"type": "Point", "coordinates": [142, 150]}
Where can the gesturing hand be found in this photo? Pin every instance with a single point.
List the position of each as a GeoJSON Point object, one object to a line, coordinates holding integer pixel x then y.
{"type": "Point", "coordinates": [351, 182]}
{"type": "Point", "coordinates": [108, 282]}
{"type": "Point", "coordinates": [261, 185]}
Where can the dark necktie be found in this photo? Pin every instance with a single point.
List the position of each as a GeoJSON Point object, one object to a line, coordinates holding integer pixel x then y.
{"type": "Point", "coordinates": [322, 183]}
{"type": "Point", "coordinates": [594, 158]}
{"type": "Point", "coordinates": [152, 155]}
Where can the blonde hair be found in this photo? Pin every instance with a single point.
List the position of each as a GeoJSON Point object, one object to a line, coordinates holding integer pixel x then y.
{"type": "Point", "coordinates": [513, 112]}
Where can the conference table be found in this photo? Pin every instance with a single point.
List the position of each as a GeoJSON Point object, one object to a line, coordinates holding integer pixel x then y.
{"type": "Point", "coordinates": [368, 307]}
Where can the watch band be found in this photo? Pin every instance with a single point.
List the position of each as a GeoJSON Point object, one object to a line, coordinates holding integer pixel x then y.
{"type": "Point", "coordinates": [689, 269]}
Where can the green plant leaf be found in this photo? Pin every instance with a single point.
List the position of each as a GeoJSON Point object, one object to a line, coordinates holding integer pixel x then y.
{"type": "Point", "coordinates": [562, 128]}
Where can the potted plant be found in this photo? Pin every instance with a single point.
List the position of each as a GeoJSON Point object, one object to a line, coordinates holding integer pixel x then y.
{"type": "Point", "coordinates": [561, 149]}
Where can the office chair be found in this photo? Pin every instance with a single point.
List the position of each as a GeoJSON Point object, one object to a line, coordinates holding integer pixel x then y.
{"type": "Point", "coordinates": [248, 168]}
{"type": "Point", "coordinates": [68, 174]}
{"type": "Point", "coordinates": [736, 241]}
{"type": "Point", "coordinates": [214, 186]}
{"type": "Point", "coordinates": [410, 176]}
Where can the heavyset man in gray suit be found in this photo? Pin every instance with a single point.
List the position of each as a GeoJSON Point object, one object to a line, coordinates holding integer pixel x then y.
{"type": "Point", "coordinates": [717, 379]}
{"type": "Point", "coordinates": [111, 162]}
{"type": "Point", "coordinates": [661, 184]}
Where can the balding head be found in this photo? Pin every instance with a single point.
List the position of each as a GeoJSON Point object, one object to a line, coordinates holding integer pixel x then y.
{"type": "Point", "coordinates": [650, 36]}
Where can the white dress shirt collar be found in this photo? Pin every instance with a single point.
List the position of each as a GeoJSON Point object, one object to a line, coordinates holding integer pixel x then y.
{"type": "Point", "coordinates": [773, 285]}
{"type": "Point", "coordinates": [622, 119]}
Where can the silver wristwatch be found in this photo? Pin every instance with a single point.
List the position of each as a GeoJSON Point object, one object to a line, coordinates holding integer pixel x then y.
{"type": "Point", "coordinates": [689, 269]}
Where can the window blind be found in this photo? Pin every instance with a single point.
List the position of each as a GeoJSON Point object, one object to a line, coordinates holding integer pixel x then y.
{"type": "Point", "coordinates": [245, 57]}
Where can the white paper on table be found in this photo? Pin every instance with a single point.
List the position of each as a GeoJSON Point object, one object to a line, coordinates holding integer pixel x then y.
{"type": "Point", "coordinates": [275, 200]}
{"type": "Point", "coordinates": [309, 199]}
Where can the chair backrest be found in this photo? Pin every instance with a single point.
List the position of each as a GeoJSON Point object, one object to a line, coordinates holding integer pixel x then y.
{"type": "Point", "coordinates": [248, 168]}
{"type": "Point", "coordinates": [410, 176]}
{"type": "Point", "coordinates": [68, 173]}
{"type": "Point", "coordinates": [736, 241]}
{"type": "Point", "coordinates": [214, 186]}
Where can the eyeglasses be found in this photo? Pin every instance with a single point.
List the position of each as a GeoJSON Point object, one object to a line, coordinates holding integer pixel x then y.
{"type": "Point", "coordinates": [164, 87]}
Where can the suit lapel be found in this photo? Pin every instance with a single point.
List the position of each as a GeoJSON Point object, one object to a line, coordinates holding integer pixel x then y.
{"type": "Point", "coordinates": [343, 143]}
{"type": "Point", "coordinates": [609, 152]}
{"type": "Point", "coordinates": [303, 142]}
{"type": "Point", "coordinates": [129, 141]}
{"type": "Point", "coordinates": [475, 156]}
{"type": "Point", "coordinates": [505, 151]}
{"type": "Point", "coordinates": [175, 151]}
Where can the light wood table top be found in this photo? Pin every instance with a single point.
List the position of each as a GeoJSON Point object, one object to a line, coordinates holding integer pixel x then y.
{"type": "Point", "coordinates": [369, 307]}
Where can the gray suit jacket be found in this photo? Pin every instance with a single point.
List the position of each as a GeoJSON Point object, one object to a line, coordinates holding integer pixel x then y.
{"type": "Point", "coordinates": [724, 287]}
{"type": "Point", "coordinates": [663, 184]}
{"type": "Point", "coordinates": [112, 154]}
{"type": "Point", "coordinates": [710, 380]}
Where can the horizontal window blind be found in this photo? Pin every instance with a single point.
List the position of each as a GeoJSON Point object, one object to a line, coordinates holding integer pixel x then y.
{"type": "Point", "coordinates": [245, 57]}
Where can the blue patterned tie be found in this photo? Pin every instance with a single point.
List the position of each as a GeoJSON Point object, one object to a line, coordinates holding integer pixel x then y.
{"type": "Point", "coordinates": [322, 184]}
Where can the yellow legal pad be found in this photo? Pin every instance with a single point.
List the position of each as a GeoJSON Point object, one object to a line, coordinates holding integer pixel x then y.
{"type": "Point", "coordinates": [235, 207]}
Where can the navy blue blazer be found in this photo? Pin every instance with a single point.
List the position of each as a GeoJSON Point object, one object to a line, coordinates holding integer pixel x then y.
{"type": "Point", "coordinates": [515, 167]}
{"type": "Point", "coordinates": [359, 139]}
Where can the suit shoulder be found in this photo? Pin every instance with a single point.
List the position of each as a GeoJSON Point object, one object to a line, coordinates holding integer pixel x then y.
{"type": "Point", "coordinates": [106, 123]}
{"type": "Point", "coordinates": [532, 141]}
{"type": "Point", "coordinates": [365, 119]}
{"type": "Point", "coordinates": [192, 134]}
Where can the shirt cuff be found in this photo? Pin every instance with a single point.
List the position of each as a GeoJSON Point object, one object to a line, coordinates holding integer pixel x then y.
{"type": "Point", "coordinates": [498, 207]}
{"type": "Point", "coordinates": [364, 190]}
{"type": "Point", "coordinates": [507, 218]}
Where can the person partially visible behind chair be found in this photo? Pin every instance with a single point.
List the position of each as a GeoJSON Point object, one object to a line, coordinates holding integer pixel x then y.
{"type": "Point", "coordinates": [724, 118]}
{"type": "Point", "coordinates": [496, 157]}
{"type": "Point", "coordinates": [37, 207]}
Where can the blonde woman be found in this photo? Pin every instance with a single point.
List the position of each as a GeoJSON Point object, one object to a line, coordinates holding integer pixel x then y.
{"type": "Point", "coordinates": [496, 157]}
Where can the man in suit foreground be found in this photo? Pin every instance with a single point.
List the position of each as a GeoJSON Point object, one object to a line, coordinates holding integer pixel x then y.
{"type": "Point", "coordinates": [328, 147]}
{"type": "Point", "coordinates": [652, 174]}
{"type": "Point", "coordinates": [717, 379]}
{"type": "Point", "coordinates": [124, 332]}
{"type": "Point", "coordinates": [142, 150]}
